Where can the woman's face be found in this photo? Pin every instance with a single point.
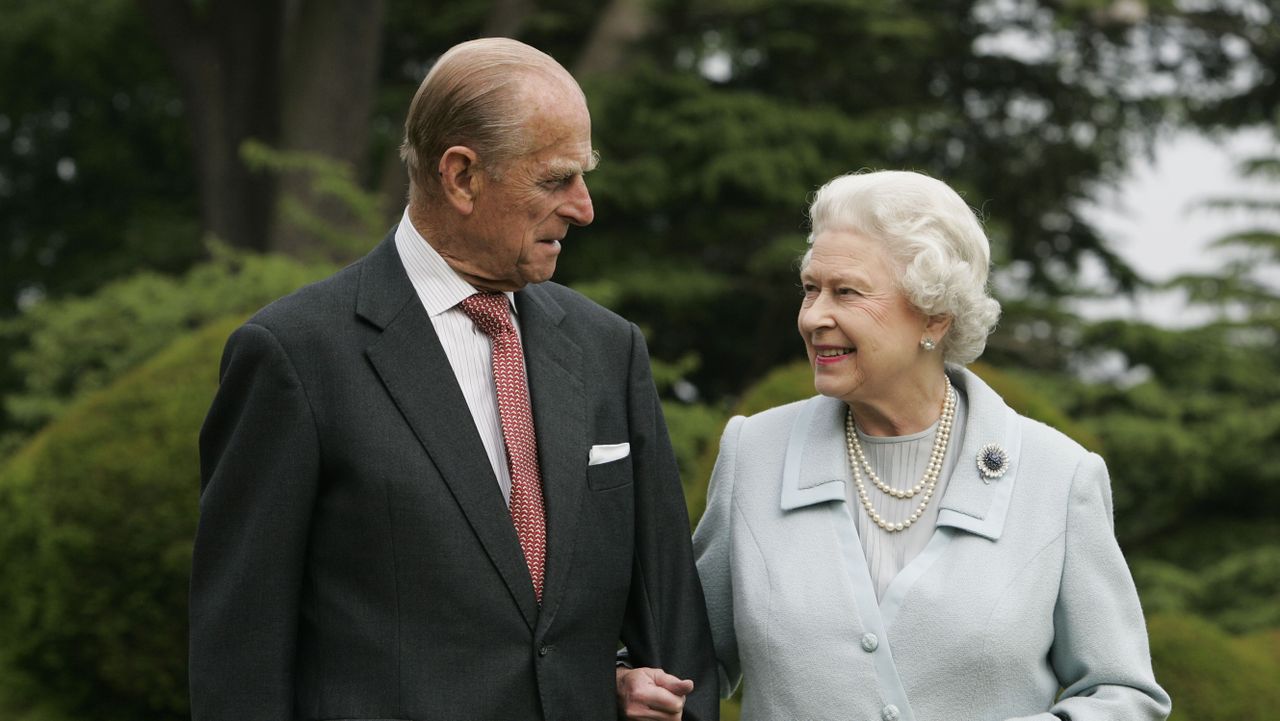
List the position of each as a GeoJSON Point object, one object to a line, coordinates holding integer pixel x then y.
{"type": "Point", "coordinates": [861, 332]}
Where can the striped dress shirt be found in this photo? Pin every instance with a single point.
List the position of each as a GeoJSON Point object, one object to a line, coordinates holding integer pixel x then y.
{"type": "Point", "coordinates": [469, 350]}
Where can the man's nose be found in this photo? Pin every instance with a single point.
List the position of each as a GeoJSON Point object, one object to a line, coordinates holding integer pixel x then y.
{"type": "Point", "coordinates": [578, 208]}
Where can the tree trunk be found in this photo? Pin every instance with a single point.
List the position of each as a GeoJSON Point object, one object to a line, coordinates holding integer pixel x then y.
{"type": "Point", "coordinates": [226, 58]}
{"type": "Point", "coordinates": [507, 18]}
{"type": "Point", "coordinates": [330, 74]}
{"type": "Point", "coordinates": [618, 27]}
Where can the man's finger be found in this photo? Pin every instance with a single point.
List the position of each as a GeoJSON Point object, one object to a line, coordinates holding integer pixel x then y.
{"type": "Point", "coordinates": [674, 684]}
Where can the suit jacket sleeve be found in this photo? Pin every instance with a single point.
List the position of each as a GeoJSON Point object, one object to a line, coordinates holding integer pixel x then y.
{"type": "Point", "coordinates": [712, 548]}
{"type": "Point", "coordinates": [1100, 652]}
{"type": "Point", "coordinates": [259, 461]}
{"type": "Point", "coordinates": [666, 619]}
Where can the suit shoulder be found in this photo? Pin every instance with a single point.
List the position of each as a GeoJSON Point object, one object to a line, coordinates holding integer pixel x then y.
{"type": "Point", "coordinates": [312, 304]}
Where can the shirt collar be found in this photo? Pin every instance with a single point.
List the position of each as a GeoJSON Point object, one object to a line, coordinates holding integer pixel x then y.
{"type": "Point", "coordinates": [439, 287]}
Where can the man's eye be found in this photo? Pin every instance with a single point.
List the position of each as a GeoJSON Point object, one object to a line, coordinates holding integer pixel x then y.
{"type": "Point", "coordinates": [848, 291]}
{"type": "Point", "coordinates": [557, 183]}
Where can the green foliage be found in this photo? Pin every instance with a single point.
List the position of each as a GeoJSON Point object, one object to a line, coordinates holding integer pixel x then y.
{"type": "Point", "coordinates": [101, 508]}
{"type": "Point", "coordinates": [1211, 675]}
{"type": "Point", "coordinates": [1240, 593]}
{"type": "Point", "coordinates": [783, 385]}
{"type": "Point", "coordinates": [330, 182]}
{"type": "Point", "coordinates": [695, 434]}
{"type": "Point", "coordinates": [1031, 401]}
{"type": "Point", "coordinates": [701, 195]}
{"type": "Point", "coordinates": [94, 180]}
{"type": "Point", "coordinates": [1189, 421]}
{"type": "Point", "coordinates": [30, 711]}
{"type": "Point", "coordinates": [731, 113]}
{"type": "Point", "coordinates": [76, 345]}
{"type": "Point", "coordinates": [1226, 571]}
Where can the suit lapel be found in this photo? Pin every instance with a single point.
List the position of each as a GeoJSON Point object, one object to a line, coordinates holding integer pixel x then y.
{"type": "Point", "coordinates": [557, 391]}
{"type": "Point", "coordinates": [411, 363]}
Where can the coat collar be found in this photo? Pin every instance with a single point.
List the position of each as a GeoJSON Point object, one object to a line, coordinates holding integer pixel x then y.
{"type": "Point", "coordinates": [816, 468]}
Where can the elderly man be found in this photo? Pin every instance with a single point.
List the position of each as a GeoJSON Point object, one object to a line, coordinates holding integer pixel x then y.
{"type": "Point", "coordinates": [436, 486]}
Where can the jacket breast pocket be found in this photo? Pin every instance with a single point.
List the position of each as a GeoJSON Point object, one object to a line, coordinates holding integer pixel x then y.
{"type": "Point", "coordinates": [614, 474]}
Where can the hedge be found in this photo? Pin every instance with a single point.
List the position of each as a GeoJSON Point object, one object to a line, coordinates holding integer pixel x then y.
{"type": "Point", "coordinates": [97, 514]}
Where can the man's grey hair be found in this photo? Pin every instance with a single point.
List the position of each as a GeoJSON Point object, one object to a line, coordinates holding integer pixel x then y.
{"type": "Point", "coordinates": [471, 97]}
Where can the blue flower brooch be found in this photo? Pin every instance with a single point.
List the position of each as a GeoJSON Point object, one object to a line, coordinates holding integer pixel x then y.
{"type": "Point", "coordinates": [993, 461]}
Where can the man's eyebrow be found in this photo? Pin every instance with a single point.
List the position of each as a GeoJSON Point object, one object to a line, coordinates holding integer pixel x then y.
{"type": "Point", "coordinates": [568, 168]}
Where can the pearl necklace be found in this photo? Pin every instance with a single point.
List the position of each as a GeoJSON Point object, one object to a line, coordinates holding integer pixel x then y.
{"type": "Point", "coordinates": [927, 483]}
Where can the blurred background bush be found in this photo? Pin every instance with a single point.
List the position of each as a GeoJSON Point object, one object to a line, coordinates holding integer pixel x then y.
{"type": "Point", "coordinates": [168, 166]}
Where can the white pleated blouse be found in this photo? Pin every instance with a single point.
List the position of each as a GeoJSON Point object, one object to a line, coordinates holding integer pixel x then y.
{"type": "Point", "coordinates": [900, 462]}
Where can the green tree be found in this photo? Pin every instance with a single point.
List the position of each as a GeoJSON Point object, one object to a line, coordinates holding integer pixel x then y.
{"type": "Point", "coordinates": [81, 344]}
{"type": "Point", "coordinates": [1189, 422]}
{"type": "Point", "coordinates": [733, 111]}
{"type": "Point", "coordinates": [100, 508]}
{"type": "Point", "coordinates": [93, 165]}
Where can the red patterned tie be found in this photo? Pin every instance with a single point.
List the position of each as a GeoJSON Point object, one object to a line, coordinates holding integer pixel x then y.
{"type": "Point", "coordinates": [489, 312]}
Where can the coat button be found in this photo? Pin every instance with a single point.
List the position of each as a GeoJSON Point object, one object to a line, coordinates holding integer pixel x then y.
{"type": "Point", "coordinates": [890, 713]}
{"type": "Point", "coordinates": [544, 650]}
{"type": "Point", "coordinates": [870, 642]}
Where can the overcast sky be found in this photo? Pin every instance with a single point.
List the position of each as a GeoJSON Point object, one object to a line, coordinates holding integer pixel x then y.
{"type": "Point", "coordinates": [1150, 221]}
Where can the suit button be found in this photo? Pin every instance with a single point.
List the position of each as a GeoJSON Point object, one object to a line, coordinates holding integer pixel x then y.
{"type": "Point", "coordinates": [544, 650]}
{"type": "Point", "coordinates": [890, 713]}
{"type": "Point", "coordinates": [870, 642]}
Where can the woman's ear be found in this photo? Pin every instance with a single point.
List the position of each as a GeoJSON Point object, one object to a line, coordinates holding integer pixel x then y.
{"type": "Point", "coordinates": [459, 178]}
{"type": "Point", "coordinates": [937, 326]}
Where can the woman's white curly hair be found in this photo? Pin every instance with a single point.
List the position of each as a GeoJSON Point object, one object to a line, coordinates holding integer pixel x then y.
{"type": "Point", "coordinates": [935, 239]}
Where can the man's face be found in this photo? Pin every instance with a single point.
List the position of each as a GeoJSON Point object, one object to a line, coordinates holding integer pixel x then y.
{"type": "Point", "coordinates": [515, 229]}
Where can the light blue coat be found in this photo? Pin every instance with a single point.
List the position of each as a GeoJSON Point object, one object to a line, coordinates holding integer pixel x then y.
{"type": "Point", "coordinates": [1020, 592]}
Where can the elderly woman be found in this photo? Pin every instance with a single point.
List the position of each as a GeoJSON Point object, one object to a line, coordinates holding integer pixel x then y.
{"type": "Point", "coordinates": [904, 545]}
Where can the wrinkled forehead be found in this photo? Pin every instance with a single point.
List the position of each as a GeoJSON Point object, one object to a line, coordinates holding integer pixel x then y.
{"type": "Point", "coordinates": [847, 251]}
{"type": "Point", "coordinates": [557, 126]}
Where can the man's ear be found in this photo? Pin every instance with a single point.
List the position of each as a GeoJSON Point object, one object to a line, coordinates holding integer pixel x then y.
{"type": "Point", "coordinates": [460, 178]}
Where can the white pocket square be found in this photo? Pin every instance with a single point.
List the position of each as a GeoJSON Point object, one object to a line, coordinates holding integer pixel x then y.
{"type": "Point", "coordinates": [608, 452]}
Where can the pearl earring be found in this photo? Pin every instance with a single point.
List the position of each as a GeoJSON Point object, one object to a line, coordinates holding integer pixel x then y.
{"type": "Point", "coordinates": [927, 343]}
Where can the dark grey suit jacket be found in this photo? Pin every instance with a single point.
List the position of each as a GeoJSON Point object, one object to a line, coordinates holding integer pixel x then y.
{"type": "Point", "coordinates": [355, 558]}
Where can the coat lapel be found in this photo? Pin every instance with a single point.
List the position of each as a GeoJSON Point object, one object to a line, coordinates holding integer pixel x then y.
{"type": "Point", "coordinates": [558, 394]}
{"type": "Point", "coordinates": [815, 469]}
{"type": "Point", "coordinates": [411, 363]}
{"type": "Point", "coordinates": [971, 503]}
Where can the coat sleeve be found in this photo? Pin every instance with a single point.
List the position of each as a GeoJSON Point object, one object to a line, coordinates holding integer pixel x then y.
{"type": "Point", "coordinates": [1100, 652]}
{"type": "Point", "coordinates": [711, 547]}
{"type": "Point", "coordinates": [666, 619]}
{"type": "Point", "coordinates": [259, 460]}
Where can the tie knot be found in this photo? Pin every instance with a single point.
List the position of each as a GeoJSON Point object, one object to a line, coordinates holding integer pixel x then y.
{"type": "Point", "coordinates": [489, 312]}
